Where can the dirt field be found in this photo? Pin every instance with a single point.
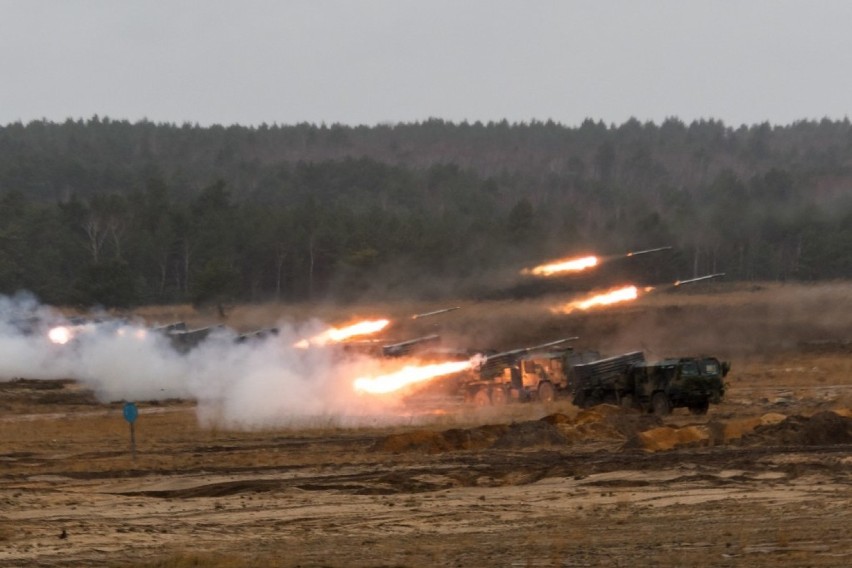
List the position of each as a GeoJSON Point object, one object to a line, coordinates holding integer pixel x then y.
{"type": "Point", "coordinates": [765, 478]}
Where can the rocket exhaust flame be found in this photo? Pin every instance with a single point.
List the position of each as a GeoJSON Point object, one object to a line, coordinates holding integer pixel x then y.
{"type": "Point", "coordinates": [613, 297]}
{"type": "Point", "coordinates": [407, 376]}
{"type": "Point", "coordinates": [582, 263]}
{"type": "Point", "coordinates": [625, 294]}
{"type": "Point", "coordinates": [617, 296]}
{"type": "Point", "coordinates": [338, 334]}
{"type": "Point", "coordinates": [60, 334]}
{"type": "Point", "coordinates": [567, 265]}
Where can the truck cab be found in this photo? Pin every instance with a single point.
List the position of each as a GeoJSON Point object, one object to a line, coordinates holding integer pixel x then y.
{"type": "Point", "coordinates": [691, 382]}
{"type": "Point", "coordinates": [531, 374]}
{"type": "Point", "coordinates": [544, 375]}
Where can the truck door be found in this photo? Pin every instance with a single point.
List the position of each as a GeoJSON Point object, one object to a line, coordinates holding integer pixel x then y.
{"type": "Point", "coordinates": [531, 376]}
{"type": "Point", "coordinates": [516, 380]}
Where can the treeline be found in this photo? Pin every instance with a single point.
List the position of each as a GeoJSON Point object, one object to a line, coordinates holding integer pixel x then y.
{"type": "Point", "coordinates": [117, 213]}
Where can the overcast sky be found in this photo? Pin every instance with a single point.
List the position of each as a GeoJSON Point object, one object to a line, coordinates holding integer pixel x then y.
{"type": "Point", "coordinates": [372, 61]}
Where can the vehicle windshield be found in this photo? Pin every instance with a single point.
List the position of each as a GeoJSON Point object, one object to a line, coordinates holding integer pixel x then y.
{"type": "Point", "coordinates": [689, 369]}
{"type": "Point", "coordinates": [710, 367]}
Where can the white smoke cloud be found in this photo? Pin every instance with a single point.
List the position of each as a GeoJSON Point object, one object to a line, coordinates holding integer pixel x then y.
{"type": "Point", "coordinates": [257, 383]}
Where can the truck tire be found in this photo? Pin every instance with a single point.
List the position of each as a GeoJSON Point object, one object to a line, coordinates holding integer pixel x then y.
{"type": "Point", "coordinates": [627, 402]}
{"type": "Point", "coordinates": [499, 397]}
{"type": "Point", "coordinates": [580, 399]}
{"type": "Point", "coordinates": [546, 392]}
{"type": "Point", "coordinates": [481, 397]}
{"type": "Point", "coordinates": [660, 404]}
{"type": "Point", "coordinates": [700, 408]}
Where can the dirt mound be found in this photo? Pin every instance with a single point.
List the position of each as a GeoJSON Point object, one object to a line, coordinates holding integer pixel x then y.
{"type": "Point", "coordinates": [603, 423]}
{"type": "Point", "coordinates": [535, 433]}
{"type": "Point", "coordinates": [822, 429]}
{"type": "Point", "coordinates": [660, 438]}
{"type": "Point", "coordinates": [724, 431]}
{"type": "Point", "coordinates": [667, 438]}
{"type": "Point", "coordinates": [423, 441]}
{"type": "Point", "coordinates": [429, 442]}
{"type": "Point", "coordinates": [847, 412]}
{"type": "Point", "coordinates": [558, 418]}
{"type": "Point", "coordinates": [628, 424]}
{"type": "Point", "coordinates": [637, 430]}
{"type": "Point", "coordinates": [558, 429]}
{"type": "Point", "coordinates": [474, 438]}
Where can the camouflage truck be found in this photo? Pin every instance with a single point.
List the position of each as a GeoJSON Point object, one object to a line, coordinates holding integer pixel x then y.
{"type": "Point", "coordinates": [606, 380]}
{"type": "Point", "coordinates": [631, 381]}
{"type": "Point", "coordinates": [539, 373]}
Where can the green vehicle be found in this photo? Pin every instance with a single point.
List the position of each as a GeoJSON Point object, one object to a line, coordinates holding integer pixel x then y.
{"type": "Point", "coordinates": [658, 387]}
{"type": "Point", "coordinates": [691, 382]}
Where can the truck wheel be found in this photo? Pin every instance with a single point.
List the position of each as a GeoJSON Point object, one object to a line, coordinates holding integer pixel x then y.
{"type": "Point", "coordinates": [499, 396]}
{"type": "Point", "coordinates": [580, 400]}
{"type": "Point", "coordinates": [700, 408]}
{"type": "Point", "coordinates": [661, 405]}
{"type": "Point", "coordinates": [627, 401]}
{"type": "Point", "coordinates": [546, 392]}
{"type": "Point", "coordinates": [481, 398]}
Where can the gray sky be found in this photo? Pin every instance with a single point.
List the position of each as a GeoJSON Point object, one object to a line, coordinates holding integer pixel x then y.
{"type": "Point", "coordinates": [371, 61]}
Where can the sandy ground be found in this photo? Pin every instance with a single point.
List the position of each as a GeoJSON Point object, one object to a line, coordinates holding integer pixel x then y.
{"type": "Point", "coordinates": [764, 478]}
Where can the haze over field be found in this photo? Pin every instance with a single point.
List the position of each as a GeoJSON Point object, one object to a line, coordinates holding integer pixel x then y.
{"type": "Point", "coordinates": [373, 61]}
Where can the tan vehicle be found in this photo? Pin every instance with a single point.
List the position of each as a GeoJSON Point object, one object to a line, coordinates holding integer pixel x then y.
{"type": "Point", "coordinates": [539, 373]}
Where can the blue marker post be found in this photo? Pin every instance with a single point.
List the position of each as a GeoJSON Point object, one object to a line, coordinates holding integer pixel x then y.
{"type": "Point", "coordinates": [130, 414]}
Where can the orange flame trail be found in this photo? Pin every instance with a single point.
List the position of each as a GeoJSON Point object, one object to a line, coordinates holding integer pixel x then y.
{"type": "Point", "coordinates": [567, 265]}
{"type": "Point", "coordinates": [625, 294]}
{"type": "Point", "coordinates": [409, 375]}
{"type": "Point", "coordinates": [336, 335]}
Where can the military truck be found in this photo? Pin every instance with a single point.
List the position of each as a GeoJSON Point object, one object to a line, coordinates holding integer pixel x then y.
{"type": "Point", "coordinates": [658, 387]}
{"type": "Point", "coordinates": [539, 373]}
{"type": "Point", "coordinates": [606, 380]}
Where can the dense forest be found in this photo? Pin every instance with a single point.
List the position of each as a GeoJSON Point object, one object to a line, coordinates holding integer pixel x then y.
{"type": "Point", "coordinates": [117, 213]}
